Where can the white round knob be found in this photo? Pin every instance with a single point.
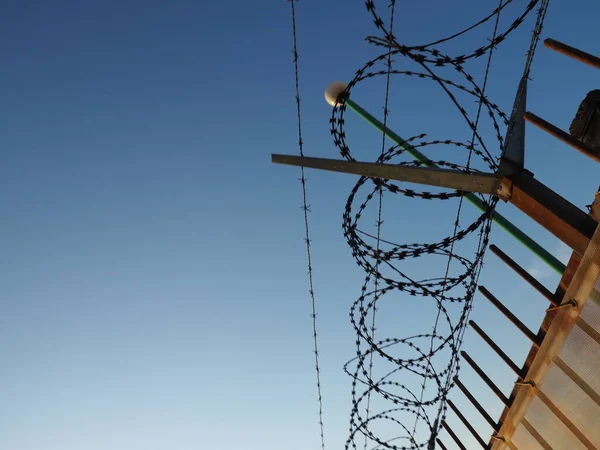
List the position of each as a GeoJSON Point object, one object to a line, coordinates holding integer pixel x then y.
{"type": "Point", "coordinates": [333, 91]}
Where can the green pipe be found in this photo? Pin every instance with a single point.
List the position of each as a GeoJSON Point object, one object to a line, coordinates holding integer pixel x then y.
{"type": "Point", "coordinates": [504, 223]}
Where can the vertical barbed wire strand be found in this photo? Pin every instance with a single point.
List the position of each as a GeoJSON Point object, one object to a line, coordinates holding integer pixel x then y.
{"type": "Point", "coordinates": [380, 210]}
{"type": "Point", "coordinates": [535, 37]}
{"type": "Point", "coordinates": [456, 226]}
{"type": "Point", "coordinates": [458, 213]}
{"type": "Point", "coordinates": [536, 33]}
{"type": "Point", "coordinates": [306, 210]}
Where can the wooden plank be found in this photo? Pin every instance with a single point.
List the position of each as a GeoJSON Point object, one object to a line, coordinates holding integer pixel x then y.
{"type": "Point", "coordinates": [578, 380]}
{"type": "Point", "coordinates": [536, 435]}
{"type": "Point", "coordinates": [565, 420]}
{"type": "Point", "coordinates": [561, 290]}
{"type": "Point", "coordinates": [559, 327]}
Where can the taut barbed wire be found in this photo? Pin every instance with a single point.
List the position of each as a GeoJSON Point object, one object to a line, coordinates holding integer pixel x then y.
{"type": "Point", "coordinates": [481, 248]}
{"type": "Point", "coordinates": [379, 219]}
{"type": "Point", "coordinates": [305, 209]}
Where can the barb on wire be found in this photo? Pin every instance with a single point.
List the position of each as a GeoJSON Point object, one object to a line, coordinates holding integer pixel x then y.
{"type": "Point", "coordinates": [482, 244]}
{"type": "Point", "coordinates": [535, 38]}
{"type": "Point", "coordinates": [436, 57]}
{"type": "Point", "coordinates": [379, 223]}
{"type": "Point", "coordinates": [306, 210]}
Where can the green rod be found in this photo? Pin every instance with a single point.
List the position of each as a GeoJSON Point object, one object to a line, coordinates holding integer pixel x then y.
{"type": "Point", "coordinates": [502, 221]}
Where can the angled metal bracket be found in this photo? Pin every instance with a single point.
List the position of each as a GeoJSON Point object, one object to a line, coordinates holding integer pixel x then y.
{"type": "Point", "coordinates": [513, 155]}
{"type": "Point", "coordinates": [483, 183]}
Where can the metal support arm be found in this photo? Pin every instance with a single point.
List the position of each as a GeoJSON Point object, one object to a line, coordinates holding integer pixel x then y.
{"type": "Point", "coordinates": [483, 183]}
{"type": "Point", "coordinates": [563, 219]}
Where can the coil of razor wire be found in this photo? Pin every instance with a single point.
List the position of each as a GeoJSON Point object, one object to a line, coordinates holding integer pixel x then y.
{"type": "Point", "coordinates": [432, 356]}
{"type": "Point", "coordinates": [435, 56]}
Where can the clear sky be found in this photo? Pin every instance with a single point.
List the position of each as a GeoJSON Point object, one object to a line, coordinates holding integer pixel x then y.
{"type": "Point", "coordinates": [153, 290]}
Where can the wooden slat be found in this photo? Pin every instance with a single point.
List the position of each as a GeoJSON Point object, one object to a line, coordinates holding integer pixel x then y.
{"type": "Point", "coordinates": [537, 436]}
{"type": "Point", "coordinates": [589, 330]}
{"type": "Point", "coordinates": [577, 380]}
{"type": "Point", "coordinates": [558, 323]}
{"type": "Point", "coordinates": [565, 420]}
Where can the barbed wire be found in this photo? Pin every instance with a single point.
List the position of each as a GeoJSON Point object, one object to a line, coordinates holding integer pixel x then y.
{"type": "Point", "coordinates": [379, 213]}
{"type": "Point", "coordinates": [535, 38]}
{"type": "Point", "coordinates": [437, 58]}
{"type": "Point", "coordinates": [442, 289]}
{"type": "Point", "coordinates": [442, 405]}
{"type": "Point", "coordinates": [306, 209]}
{"type": "Point", "coordinates": [433, 357]}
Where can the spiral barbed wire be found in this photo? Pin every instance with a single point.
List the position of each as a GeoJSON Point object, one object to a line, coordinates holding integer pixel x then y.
{"type": "Point", "coordinates": [436, 57]}
{"type": "Point", "coordinates": [408, 392]}
{"type": "Point", "coordinates": [400, 384]}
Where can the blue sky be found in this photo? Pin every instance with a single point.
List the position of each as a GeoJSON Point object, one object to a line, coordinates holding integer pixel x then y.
{"type": "Point", "coordinates": [154, 291]}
